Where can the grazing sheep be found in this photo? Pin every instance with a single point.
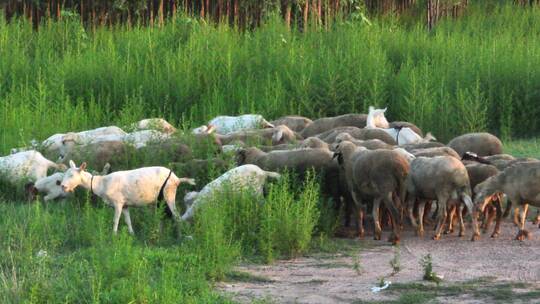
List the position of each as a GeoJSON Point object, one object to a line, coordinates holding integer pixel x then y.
{"type": "Point", "coordinates": [314, 143]}
{"type": "Point", "coordinates": [441, 178]}
{"type": "Point", "coordinates": [520, 182]}
{"type": "Point", "coordinates": [483, 144]}
{"type": "Point", "coordinates": [157, 124]}
{"type": "Point", "coordinates": [424, 145]}
{"type": "Point", "coordinates": [295, 123]}
{"type": "Point", "coordinates": [172, 149]}
{"type": "Point", "coordinates": [26, 166]}
{"type": "Point", "coordinates": [362, 134]}
{"type": "Point", "coordinates": [246, 177]}
{"type": "Point", "coordinates": [478, 173]}
{"type": "Point", "coordinates": [278, 135]}
{"type": "Point", "coordinates": [377, 174]}
{"type": "Point", "coordinates": [322, 125]}
{"type": "Point", "coordinates": [299, 160]}
{"type": "Point", "coordinates": [370, 144]}
{"type": "Point", "coordinates": [404, 124]}
{"type": "Point", "coordinates": [97, 154]}
{"type": "Point", "coordinates": [142, 138]}
{"type": "Point", "coordinates": [432, 152]}
{"type": "Point", "coordinates": [51, 187]}
{"type": "Point", "coordinates": [229, 124]}
{"type": "Point", "coordinates": [124, 189]}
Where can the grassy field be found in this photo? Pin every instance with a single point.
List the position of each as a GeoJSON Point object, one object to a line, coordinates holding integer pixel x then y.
{"type": "Point", "coordinates": [476, 73]}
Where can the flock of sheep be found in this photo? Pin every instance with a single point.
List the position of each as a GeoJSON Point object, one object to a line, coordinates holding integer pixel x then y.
{"type": "Point", "coordinates": [366, 163]}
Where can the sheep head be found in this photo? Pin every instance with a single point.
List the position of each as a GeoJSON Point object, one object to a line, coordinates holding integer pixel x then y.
{"type": "Point", "coordinates": [73, 177]}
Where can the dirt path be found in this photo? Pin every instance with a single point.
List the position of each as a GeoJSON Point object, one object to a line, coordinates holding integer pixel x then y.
{"type": "Point", "coordinates": [346, 278]}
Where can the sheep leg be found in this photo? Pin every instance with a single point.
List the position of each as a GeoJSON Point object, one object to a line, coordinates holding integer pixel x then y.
{"type": "Point", "coordinates": [377, 225]}
{"type": "Point", "coordinates": [410, 208]}
{"type": "Point", "coordinates": [395, 218]}
{"type": "Point", "coordinates": [421, 206]}
{"type": "Point", "coordinates": [461, 224]}
{"type": "Point", "coordinates": [498, 209]}
{"type": "Point", "coordinates": [427, 210]}
{"type": "Point", "coordinates": [516, 217]}
{"type": "Point", "coordinates": [441, 215]}
{"type": "Point", "coordinates": [522, 234]}
{"type": "Point", "coordinates": [490, 216]}
{"type": "Point", "coordinates": [450, 228]}
{"type": "Point", "coordinates": [117, 213]}
{"type": "Point", "coordinates": [360, 212]}
{"type": "Point", "coordinates": [127, 218]}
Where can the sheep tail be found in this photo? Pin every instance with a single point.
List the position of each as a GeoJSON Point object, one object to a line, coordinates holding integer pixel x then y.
{"type": "Point", "coordinates": [190, 181]}
{"type": "Point", "coordinates": [467, 201]}
{"type": "Point", "coordinates": [273, 175]}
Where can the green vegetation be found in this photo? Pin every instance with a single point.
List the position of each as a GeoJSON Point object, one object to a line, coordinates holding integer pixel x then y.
{"type": "Point", "coordinates": [475, 73]}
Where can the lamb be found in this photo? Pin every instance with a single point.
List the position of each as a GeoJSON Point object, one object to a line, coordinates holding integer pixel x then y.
{"type": "Point", "coordinates": [97, 154]}
{"type": "Point", "coordinates": [228, 124]}
{"type": "Point", "coordinates": [439, 151]}
{"type": "Point", "coordinates": [441, 178]}
{"type": "Point", "coordinates": [51, 187]}
{"type": "Point", "coordinates": [246, 177]}
{"type": "Point", "coordinates": [157, 124]}
{"type": "Point", "coordinates": [370, 144]}
{"type": "Point", "coordinates": [124, 189]}
{"type": "Point", "coordinates": [483, 144]}
{"type": "Point", "coordinates": [295, 123]}
{"type": "Point", "coordinates": [278, 135]}
{"type": "Point", "coordinates": [378, 174]}
{"type": "Point", "coordinates": [520, 182]}
{"type": "Point", "coordinates": [322, 125]}
{"type": "Point", "coordinates": [362, 134]}
{"type": "Point", "coordinates": [26, 166]}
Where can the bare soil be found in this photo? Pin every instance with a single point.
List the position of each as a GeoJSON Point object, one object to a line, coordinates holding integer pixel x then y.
{"type": "Point", "coordinates": [347, 277]}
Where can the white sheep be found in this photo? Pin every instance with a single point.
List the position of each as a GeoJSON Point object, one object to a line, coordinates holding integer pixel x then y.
{"type": "Point", "coordinates": [403, 136]}
{"type": "Point", "coordinates": [158, 124]}
{"type": "Point", "coordinates": [26, 166]}
{"type": "Point", "coordinates": [238, 179]}
{"type": "Point", "coordinates": [123, 189]}
{"type": "Point", "coordinates": [141, 138]}
{"type": "Point", "coordinates": [228, 124]}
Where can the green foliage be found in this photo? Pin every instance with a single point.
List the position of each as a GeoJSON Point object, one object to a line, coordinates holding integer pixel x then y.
{"type": "Point", "coordinates": [474, 73]}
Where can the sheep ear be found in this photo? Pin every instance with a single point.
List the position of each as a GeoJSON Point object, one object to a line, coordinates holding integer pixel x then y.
{"type": "Point", "coordinates": [72, 164]}
{"type": "Point", "coordinates": [384, 110]}
{"type": "Point", "coordinates": [278, 135]}
{"type": "Point", "coordinates": [210, 129]}
{"type": "Point", "coordinates": [83, 166]}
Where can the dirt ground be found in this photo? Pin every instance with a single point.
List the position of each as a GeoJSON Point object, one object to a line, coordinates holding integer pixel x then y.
{"type": "Point", "coordinates": [347, 277]}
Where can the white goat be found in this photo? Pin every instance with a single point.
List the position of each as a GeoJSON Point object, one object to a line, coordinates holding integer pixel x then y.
{"type": "Point", "coordinates": [158, 124]}
{"type": "Point", "coordinates": [51, 185]}
{"type": "Point", "coordinates": [240, 178]}
{"type": "Point", "coordinates": [123, 189]}
{"type": "Point", "coordinates": [27, 165]}
{"type": "Point", "coordinates": [403, 136]}
{"type": "Point", "coordinates": [228, 124]}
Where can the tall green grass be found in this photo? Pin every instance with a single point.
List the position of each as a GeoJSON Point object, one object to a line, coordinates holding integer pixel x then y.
{"type": "Point", "coordinates": [475, 73]}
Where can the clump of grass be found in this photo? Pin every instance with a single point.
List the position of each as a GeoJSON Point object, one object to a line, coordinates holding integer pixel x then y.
{"type": "Point", "coordinates": [427, 265]}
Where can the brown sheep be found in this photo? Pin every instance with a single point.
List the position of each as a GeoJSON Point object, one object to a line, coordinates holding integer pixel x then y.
{"type": "Point", "coordinates": [97, 154]}
{"type": "Point", "coordinates": [377, 174]}
{"type": "Point", "coordinates": [422, 145]}
{"type": "Point", "coordinates": [322, 125]}
{"type": "Point", "coordinates": [363, 134]}
{"type": "Point", "coordinates": [278, 135]}
{"type": "Point", "coordinates": [520, 182]}
{"type": "Point", "coordinates": [295, 123]}
{"type": "Point", "coordinates": [370, 144]}
{"type": "Point", "coordinates": [404, 124]}
{"type": "Point", "coordinates": [432, 152]}
{"type": "Point", "coordinates": [441, 178]}
{"type": "Point", "coordinates": [483, 144]}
